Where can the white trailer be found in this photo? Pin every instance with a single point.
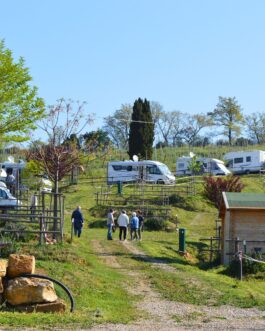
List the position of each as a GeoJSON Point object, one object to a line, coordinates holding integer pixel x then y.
{"type": "Point", "coordinates": [245, 162]}
{"type": "Point", "coordinates": [131, 171]}
{"type": "Point", "coordinates": [207, 166]}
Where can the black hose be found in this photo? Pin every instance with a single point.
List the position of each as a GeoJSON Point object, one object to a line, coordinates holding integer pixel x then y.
{"type": "Point", "coordinates": [54, 281]}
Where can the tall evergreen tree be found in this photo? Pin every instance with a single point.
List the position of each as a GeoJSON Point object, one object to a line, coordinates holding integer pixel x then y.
{"type": "Point", "coordinates": [141, 136]}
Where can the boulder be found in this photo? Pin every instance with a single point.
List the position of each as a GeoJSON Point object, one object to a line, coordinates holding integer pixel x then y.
{"type": "Point", "coordinates": [29, 290]}
{"type": "Point", "coordinates": [1, 285]}
{"type": "Point", "coordinates": [3, 266]}
{"type": "Point", "coordinates": [20, 264]}
{"type": "Point", "coordinates": [57, 306]}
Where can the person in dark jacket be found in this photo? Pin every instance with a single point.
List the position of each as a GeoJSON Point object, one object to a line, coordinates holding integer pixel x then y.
{"type": "Point", "coordinates": [141, 224]}
{"type": "Point", "coordinates": [78, 221]}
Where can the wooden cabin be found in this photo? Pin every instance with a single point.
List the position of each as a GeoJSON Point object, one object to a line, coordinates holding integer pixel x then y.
{"type": "Point", "coordinates": [243, 217]}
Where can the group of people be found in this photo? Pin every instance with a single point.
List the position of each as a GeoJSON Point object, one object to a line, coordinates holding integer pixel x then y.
{"type": "Point", "coordinates": [135, 224]}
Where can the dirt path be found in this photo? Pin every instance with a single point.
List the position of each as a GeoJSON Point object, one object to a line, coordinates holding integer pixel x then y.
{"type": "Point", "coordinates": [168, 315]}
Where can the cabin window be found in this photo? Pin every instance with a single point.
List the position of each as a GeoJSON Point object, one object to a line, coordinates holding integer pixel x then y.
{"type": "Point", "coordinates": [129, 168]}
{"type": "Point", "coordinates": [117, 167]}
{"type": "Point", "coordinates": [181, 165]}
{"type": "Point", "coordinates": [3, 194]}
{"type": "Point", "coordinates": [248, 159]}
{"type": "Point", "coordinates": [238, 160]}
{"type": "Point", "coordinates": [153, 170]}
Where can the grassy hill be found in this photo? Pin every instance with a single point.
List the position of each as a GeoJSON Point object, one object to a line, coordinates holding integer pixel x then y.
{"type": "Point", "coordinates": [99, 272]}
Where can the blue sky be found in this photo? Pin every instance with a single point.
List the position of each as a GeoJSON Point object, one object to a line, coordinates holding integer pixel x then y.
{"type": "Point", "coordinates": [183, 54]}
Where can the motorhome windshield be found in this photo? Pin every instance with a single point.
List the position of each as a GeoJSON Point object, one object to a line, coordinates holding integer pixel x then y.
{"type": "Point", "coordinates": [164, 169]}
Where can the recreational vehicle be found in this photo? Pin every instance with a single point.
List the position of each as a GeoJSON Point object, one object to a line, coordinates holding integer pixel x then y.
{"type": "Point", "coordinates": [131, 171]}
{"type": "Point", "coordinates": [207, 165]}
{"type": "Point", "coordinates": [11, 167]}
{"type": "Point", "coordinates": [245, 162]}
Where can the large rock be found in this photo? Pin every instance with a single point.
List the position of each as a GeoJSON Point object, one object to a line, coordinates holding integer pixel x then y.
{"type": "Point", "coordinates": [20, 264]}
{"type": "Point", "coordinates": [29, 290]}
{"type": "Point", "coordinates": [52, 307]}
{"type": "Point", "coordinates": [1, 285]}
{"type": "Point", "coordinates": [3, 266]}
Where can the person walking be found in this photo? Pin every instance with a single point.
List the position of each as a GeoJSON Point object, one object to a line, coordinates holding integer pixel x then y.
{"type": "Point", "coordinates": [141, 224]}
{"type": "Point", "coordinates": [110, 223]}
{"type": "Point", "coordinates": [123, 221]}
{"type": "Point", "coordinates": [134, 225]}
{"type": "Point", "coordinates": [33, 205]}
{"type": "Point", "coordinates": [78, 221]}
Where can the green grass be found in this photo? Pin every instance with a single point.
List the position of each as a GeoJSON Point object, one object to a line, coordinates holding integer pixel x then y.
{"type": "Point", "coordinates": [96, 287]}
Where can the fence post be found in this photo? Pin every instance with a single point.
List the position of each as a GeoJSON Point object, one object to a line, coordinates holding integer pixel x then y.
{"type": "Point", "coordinates": [240, 265]}
{"type": "Point", "coordinates": [211, 250]}
{"type": "Point", "coordinates": [41, 229]}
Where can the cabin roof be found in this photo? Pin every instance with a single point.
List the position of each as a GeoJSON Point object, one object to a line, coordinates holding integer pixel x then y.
{"type": "Point", "coordinates": [237, 200]}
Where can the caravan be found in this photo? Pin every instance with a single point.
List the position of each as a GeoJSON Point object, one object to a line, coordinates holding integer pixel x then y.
{"type": "Point", "coordinates": [132, 171]}
{"type": "Point", "coordinates": [245, 162]}
{"type": "Point", "coordinates": [207, 165]}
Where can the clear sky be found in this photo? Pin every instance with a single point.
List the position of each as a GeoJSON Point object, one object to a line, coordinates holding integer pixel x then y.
{"type": "Point", "coordinates": [181, 53]}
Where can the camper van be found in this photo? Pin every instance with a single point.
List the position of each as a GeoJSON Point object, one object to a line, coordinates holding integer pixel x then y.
{"type": "Point", "coordinates": [11, 167]}
{"type": "Point", "coordinates": [245, 162]}
{"type": "Point", "coordinates": [131, 171]}
{"type": "Point", "coordinates": [208, 165]}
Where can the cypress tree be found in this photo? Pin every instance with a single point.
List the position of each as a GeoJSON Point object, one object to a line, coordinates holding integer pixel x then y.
{"type": "Point", "coordinates": [141, 135]}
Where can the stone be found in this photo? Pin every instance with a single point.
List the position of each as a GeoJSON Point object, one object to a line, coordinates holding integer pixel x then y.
{"type": "Point", "coordinates": [3, 266]}
{"type": "Point", "coordinates": [57, 306]}
{"type": "Point", "coordinates": [20, 264]}
{"type": "Point", "coordinates": [29, 290]}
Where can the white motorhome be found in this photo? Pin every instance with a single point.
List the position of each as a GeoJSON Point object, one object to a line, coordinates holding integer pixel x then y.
{"type": "Point", "coordinates": [130, 171]}
{"type": "Point", "coordinates": [207, 165]}
{"type": "Point", "coordinates": [245, 162]}
{"type": "Point", "coordinates": [11, 167]}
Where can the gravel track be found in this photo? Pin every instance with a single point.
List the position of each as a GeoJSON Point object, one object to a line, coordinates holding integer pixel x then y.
{"type": "Point", "coordinates": [168, 315]}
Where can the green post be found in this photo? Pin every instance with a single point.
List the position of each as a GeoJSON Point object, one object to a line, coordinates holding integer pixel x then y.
{"type": "Point", "coordinates": [182, 240]}
{"type": "Point", "coordinates": [119, 187]}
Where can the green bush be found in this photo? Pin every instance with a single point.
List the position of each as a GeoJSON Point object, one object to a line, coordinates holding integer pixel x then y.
{"type": "Point", "coordinates": [157, 224]}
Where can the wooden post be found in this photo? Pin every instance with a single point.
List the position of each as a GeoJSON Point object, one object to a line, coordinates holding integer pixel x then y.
{"type": "Point", "coordinates": [41, 229]}
{"type": "Point", "coordinates": [240, 265]}
{"type": "Point", "coordinates": [211, 250]}
{"type": "Point", "coordinates": [72, 230]}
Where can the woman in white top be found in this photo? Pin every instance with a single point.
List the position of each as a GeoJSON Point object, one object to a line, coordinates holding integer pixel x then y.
{"type": "Point", "coordinates": [123, 222]}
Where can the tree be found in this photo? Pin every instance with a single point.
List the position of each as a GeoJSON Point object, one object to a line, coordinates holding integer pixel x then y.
{"type": "Point", "coordinates": [118, 125]}
{"type": "Point", "coordinates": [96, 140]}
{"type": "Point", "coordinates": [228, 114]}
{"type": "Point", "coordinates": [192, 126]}
{"type": "Point", "coordinates": [62, 122]}
{"type": "Point", "coordinates": [57, 158]}
{"type": "Point", "coordinates": [141, 136]}
{"type": "Point", "coordinates": [256, 127]}
{"type": "Point", "coordinates": [168, 125]}
{"type": "Point", "coordinates": [20, 107]}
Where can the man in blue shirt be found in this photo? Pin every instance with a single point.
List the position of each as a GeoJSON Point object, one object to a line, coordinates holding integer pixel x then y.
{"type": "Point", "coordinates": [134, 224]}
{"type": "Point", "coordinates": [78, 221]}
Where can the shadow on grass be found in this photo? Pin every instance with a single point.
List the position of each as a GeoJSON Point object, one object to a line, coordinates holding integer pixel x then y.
{"type": "Point", "coordinates": [160, 260]}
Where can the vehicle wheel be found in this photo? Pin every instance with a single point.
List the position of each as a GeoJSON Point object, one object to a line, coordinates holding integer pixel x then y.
{"type": "Point", "coordinates": [247, 172]}
{"type": "Point", "coordinates": [160, 181]}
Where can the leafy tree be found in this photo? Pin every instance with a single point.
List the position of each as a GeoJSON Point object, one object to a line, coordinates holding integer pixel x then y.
{"type": "Point", "coordinates": [228, 114]}
{"type": "Point", "coordinates": [118, 125]}
{"type": "Point", "coordinates": [95, 140]}
{"type": "Point", "coordinates": [20, 107]}
{"type": "Point", "coordinates": [141, 136]}
{"type": "Point", "coordinates": [256, 127]}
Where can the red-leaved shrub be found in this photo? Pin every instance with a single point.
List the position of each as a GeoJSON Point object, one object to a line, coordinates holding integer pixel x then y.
{"type": "Point", "coordinates": [214, 186]}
